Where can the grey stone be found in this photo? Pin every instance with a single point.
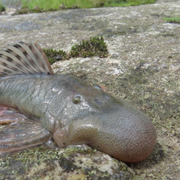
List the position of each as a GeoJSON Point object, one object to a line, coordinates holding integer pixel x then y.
{"type": "Point", "coordinates": [143, 67]}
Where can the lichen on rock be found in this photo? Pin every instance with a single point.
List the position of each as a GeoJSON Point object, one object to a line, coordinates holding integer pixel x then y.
{"type": "Point", "coordinates": [70, 163]}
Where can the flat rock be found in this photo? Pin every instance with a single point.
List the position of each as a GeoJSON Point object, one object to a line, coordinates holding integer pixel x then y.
{"type": "Point", "coordinates": [143, 67]}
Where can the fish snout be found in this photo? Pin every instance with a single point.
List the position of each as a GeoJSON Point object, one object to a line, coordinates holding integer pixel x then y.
{"type": "Point", "coordinates": [127, 136]}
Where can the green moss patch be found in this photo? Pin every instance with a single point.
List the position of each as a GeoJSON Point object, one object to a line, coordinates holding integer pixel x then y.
{"type": "Point", "coordinates": [93, 47]}
{"type": "Point", "coordinates": [172, 20]}
{"type": "Point", "coordinates": [87, 48]}
{"type": "Point", "coordinates": [54, 55]}
{"type": "Point", "coordinates": [2, 8]}
{"type": "Point", "coordinates": [26, 10]}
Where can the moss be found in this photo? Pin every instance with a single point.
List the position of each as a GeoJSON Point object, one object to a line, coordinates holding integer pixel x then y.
{"type": "Point", "coordinates": [172, 20]}
{"type": "Point", "coordinates": [2, 8]}
{"type": "Point", "coordinates": [23, 10]}
{"type": "Point", "coordinates": [93, 47]}
{"type": "Point", "coordinates": [26, 10]}
{"type": "Point", "coordinates": [54, 55]}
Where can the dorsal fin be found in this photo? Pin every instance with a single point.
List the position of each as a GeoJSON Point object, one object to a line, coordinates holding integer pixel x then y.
{"type": "Point", "coordinates": [23, 58]}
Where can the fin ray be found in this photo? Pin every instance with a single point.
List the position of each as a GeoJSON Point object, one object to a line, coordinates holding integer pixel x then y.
{"type": "Point", "coordinates": [17, 132]}
{"type": "Point", "coordinates": [20, 59]}
{"type": "Point", "coordinates": [23, 58]}
{"type": "Point", "coordinates": [8, 65]}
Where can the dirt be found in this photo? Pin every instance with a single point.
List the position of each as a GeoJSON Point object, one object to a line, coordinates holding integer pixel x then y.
{"type": "Point", "coordinates": [143, 67]}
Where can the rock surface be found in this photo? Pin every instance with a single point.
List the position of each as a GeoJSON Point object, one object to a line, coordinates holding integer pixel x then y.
{"type": "Point", "coordinates": [143, 67]}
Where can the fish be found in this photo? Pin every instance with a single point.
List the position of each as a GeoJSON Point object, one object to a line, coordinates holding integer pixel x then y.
{"type": "Point", "coordinates": [37, 105]}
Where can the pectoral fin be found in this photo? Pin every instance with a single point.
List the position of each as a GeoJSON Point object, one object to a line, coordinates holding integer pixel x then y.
{"type": "Point", "coordinates": [17, 132]}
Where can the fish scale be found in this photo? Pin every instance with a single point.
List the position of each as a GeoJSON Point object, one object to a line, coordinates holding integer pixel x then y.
{"type": "Point", "coordinates": [37, 105]}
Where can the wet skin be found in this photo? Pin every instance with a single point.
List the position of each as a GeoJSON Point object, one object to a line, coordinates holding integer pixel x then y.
{"type": "Point", "coordinates": [75, 113]}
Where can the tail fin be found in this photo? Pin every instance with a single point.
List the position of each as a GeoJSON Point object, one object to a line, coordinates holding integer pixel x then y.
{"type": "Point", "coordinates": [23, 58]}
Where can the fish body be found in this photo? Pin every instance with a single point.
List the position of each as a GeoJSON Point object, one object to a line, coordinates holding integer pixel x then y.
{"type": "Point", "coordinates": [66, 109]}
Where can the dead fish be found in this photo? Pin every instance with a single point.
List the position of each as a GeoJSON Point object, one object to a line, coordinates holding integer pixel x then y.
{"type": "Point", "coordinates": [37, 105]}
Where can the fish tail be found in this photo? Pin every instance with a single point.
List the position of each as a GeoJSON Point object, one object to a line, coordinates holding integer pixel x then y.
{"type": "Point", "coordinates": [24, 58]}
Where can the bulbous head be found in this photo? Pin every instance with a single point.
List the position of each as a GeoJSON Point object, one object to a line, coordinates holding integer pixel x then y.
{"type": "Point", "coordinates": [110, 125]}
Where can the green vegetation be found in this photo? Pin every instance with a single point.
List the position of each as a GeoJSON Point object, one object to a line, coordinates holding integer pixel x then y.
{"type": "Point", "coordinates": [87, 48]}
{"type": "Point", "coordinates": [26, 10]}
{"type": "Point", "coordinates": [93, 47]}
{"type": "Point", "coordinates": [64, 4]}
{"type": "Point", "coordinates": [172, 20]}
{"type": "Point", "coordinates": [2, 8]}
{"type": "Point", "coordinates": [38, 6]}
{"type": "Point", "coordinates": [54, 55]}
{"type": "Point", "coordinates": [115, 3]}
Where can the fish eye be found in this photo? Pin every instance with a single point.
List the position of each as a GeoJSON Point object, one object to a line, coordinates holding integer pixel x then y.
{"type": "Point", "coordinates": [76, 99]}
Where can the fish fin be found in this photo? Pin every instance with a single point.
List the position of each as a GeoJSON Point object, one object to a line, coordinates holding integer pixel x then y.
{"type": "Point", "coordinates": [23, 58]}
{"type": "Point", "coordinates": [17, 132]}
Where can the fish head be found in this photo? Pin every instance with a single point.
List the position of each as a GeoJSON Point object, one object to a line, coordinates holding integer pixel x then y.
{"type": "Point", "coordinates": [109, 124]}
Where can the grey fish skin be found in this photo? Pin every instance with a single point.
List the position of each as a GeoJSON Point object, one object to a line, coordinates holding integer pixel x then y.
{"type": "Point", "coordinates": [66, 109]}
{"type": "Point", "coordinates": [98, 119]}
